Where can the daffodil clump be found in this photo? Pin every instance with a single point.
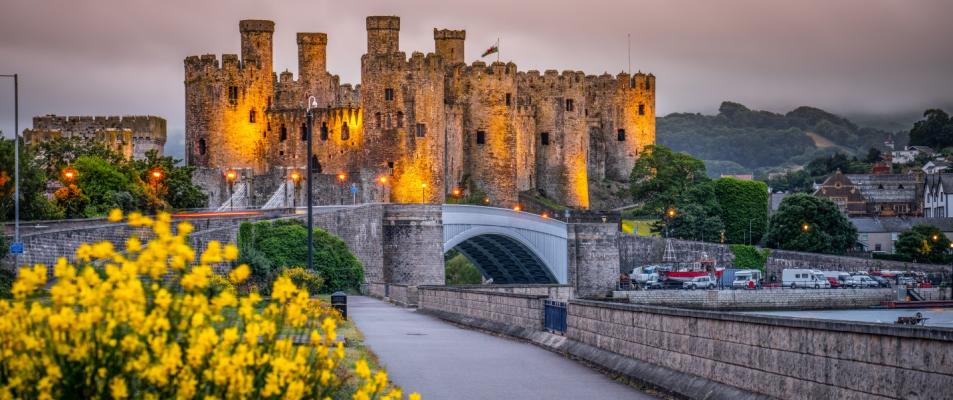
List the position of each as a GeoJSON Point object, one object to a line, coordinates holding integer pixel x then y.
{"type": "Point", "coordinates": [145, 322]}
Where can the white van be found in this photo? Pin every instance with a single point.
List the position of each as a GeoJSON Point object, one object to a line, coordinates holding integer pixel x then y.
{"type": "Point", "coordinates": [804, 278]}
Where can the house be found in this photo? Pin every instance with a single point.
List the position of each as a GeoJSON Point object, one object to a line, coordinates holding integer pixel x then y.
{"type": "Point", "coordinates": [874, 195]}
{"type": "Point", "coordinates": [935, 166]}
{"type": "Point", "coordinates": [938, 196]}
{"type": "Point", "coordinates": [908, 154]}
{"type": "Point", "coordinates": [880, 235]}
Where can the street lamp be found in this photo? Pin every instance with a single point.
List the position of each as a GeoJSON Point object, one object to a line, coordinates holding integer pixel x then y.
{"type": "Point", "coordinates": [16, 163]}
{"type": "Point", "coordinates": [342, 177]}
{"type": "Point", "coordinates": [517, 208]}
{"type": "Point", "coordinates": [155, 175]}
{"type": "Point", "coordinates": [383, 182]}
{"type": "Point", "coordinates": [296, 179]}
{"type": "Point", "coordinates": [312, 104]}
{"type": "Point", "coordinates": [230, 177]}
{"type": "Point", "coordinates": [670, 215]}
{"type": "Point", "coordinates": [486, 200]}
{"type": "Point", "coordinates": [805, 227]}
{"type": "Point", "coordinates": [423, 188]}
{"type": "Point", "coordinates": [69, 174]}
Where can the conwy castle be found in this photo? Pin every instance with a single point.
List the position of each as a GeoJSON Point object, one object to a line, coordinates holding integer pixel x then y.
{"type": "Point", "coordinates": [430, 124]}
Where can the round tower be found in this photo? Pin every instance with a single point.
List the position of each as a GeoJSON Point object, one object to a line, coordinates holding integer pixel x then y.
{"type": "Point", "coordinates": [449, 45]}
{"type": "Point", "coordinates": [383, 34]}
{"type": "Point", "coordinates": [257, 42]}
{"type": "Point", "coordinates": [312, 54]}
{"type": "Point", "coordinates": [490, 131]}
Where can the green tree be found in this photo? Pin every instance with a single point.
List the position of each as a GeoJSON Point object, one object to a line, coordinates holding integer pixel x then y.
{"type": "Point", "coordinates": [108, 185]}
{"type": "Point", "coordinates": [807, 223]}
{"type": "Point", "coordinates": [460, 271]}
{"type": "Point", "coordinates": [923, 243]}
{"type": "Point", "coordinates": [282, 244]}
{"type": "Point", "coordinates": [72, 201]}
{"type": "Point", "coordinates": [175, 188]}
{"type": "Point", "coordinates": [660, 176]}
{"type": "Point", "coordinates": [935, 130]}
{"type": "Point", "coordinates": [56, 154]}
{"type": "Point", "coordinates": [749, 257]}
{"type": "Point", "coordinates": [33, 201]}
{"type": "Point", "coordinates": [696, 215]}
{"type": "Point", "coordinates": [744, 205]}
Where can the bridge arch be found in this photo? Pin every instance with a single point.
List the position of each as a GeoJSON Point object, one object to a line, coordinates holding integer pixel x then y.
{"type": "Point", "coordinates": [506, 245]}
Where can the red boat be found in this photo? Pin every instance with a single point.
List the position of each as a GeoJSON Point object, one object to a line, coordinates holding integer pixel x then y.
{"type": "Point", "coordinates": [705, 266]}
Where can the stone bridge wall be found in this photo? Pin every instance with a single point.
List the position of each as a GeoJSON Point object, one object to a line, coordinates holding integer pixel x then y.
{"type": "Point", "coordinates": [511, 309]}
{"type": "Point", "coordinates": [778, 357]}
{"type": "Point", "coordinates": [641, 250]}
{"type": "Point", "coordinates": [561, 292]}
{"type": "Point", "coordinates": [761, 299]}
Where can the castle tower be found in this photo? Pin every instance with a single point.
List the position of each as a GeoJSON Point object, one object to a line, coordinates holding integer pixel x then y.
{"type": "Point", "coordinates": [449, 45]}
{"type": "Point", "coordinates": [257, 43]}
{"type": "Point", "coordinates": [490, 132]}
{"type": "Point", "coordinates": [314, 79]}
{"type": "Point", "coordinates": [383, 35]}
{"type": "Point", "coordinates": [634, 123]}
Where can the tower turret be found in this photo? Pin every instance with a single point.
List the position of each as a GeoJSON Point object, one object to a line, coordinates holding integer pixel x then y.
{"type": "Point", "coordinates": [383, 35]}
{"type": "Point", "coordinates": [312, 54]}
{"type": "Point", "coordinates": [449, 44]}
{"type": "Point", "coordinates": [256, 42]}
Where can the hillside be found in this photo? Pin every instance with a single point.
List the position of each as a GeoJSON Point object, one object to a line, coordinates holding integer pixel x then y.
{"type": "Point", "coordinates": [740, 139]}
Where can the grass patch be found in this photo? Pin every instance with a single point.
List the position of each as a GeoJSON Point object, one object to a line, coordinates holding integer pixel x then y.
{"type": "Point", "coordinates": [638, 227]}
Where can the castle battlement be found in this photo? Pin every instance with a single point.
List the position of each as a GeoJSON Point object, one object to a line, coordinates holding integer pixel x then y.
{"type": "Point", "coordinates": [432, 120]}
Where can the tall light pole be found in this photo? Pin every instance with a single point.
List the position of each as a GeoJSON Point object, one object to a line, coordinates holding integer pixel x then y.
{"type": "Point", "coordinates": [670, 215]}
{"type": "Point", "coordinates": [312, 104]}
{"type": "Point", "coordinates": [296, 178]}
{"type": "Point", "coordinates": [230, 177]}
{"type": "Point", "coordinates": [423, 188]}
{"type": "Point", "coordinates": [342, 178]}
{"type": "Point", "coordinates": [16, 161]}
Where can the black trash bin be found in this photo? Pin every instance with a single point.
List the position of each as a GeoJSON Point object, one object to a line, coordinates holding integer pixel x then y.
{"type": "Point", "coordinates": [339, 302]}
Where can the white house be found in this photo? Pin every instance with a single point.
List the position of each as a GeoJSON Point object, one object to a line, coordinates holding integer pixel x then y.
{"type": "Point", "coordinates": [935, 166]}
{"type": "Point", "coordinates": [908, 154]}
{"type": "Point", "coordinates": [938, 196]}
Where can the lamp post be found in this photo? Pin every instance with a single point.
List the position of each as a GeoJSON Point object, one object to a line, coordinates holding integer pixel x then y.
{"type": "Point", "coordinates": [423, 188]}
{"type": "Point", "coordinates": [669, 216]}
{"type": "Point", "coordinates": [296, 179]}
{"type": "Point", "coordinates": [383, 182]}
{"type": "Point", "coordinates": [230, 177]}
{"type": "Point", "coordinates": [312, 104]}
{"type": "Point", "coordinates": [69, 174]}
{"type": "Point", "coordinates": [155, 175]}
{"type": "Point", "coordinates": [342, 178]}
{"type": "Point", "coordinates": [16, 161]}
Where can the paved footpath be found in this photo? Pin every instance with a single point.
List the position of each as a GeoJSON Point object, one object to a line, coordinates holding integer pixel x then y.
{"type": "Point", "coordinates": [442, 361]}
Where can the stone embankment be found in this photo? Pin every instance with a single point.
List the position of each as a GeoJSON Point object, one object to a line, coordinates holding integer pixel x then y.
{"type": "Point", "coordinates": [775, 299]}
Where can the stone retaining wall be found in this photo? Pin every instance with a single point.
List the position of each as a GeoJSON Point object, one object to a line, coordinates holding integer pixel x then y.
{"type": "Point", "coordinates": [760, 299]}
{"type": "Point", "coordinates": [779, 357]}
{"type": "Point", "coordinates": [512, 309]}
{"type": "Point", "coordinates": [559, 292]}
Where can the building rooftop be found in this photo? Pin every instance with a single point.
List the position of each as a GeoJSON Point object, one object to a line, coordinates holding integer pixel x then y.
{"type": "Point", "coordinates": [891, 225]}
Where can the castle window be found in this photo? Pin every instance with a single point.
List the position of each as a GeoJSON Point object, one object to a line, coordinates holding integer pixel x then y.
{"type": "Point", "coordinates": [304, 132]}
{"type": "Point", "coordinates": [481, 137]}
{"type": "Point", "coordinates": [509, 99]}
{"type": "Point", "coordinates": [202, 147]}
{"type": "Point", "coordinates": [620, 135]}
{"type": "Point", "coordinates": [400, 119]}
{"type": "Point", "coordinates": [251, 116]}
{"type": "Point", "coordinates": [647, 84]}
{"type": "Point", "coordinates": [387, 121]}
{"type": "Point", "coordinates": [233, 95]}
{"type": "Point", "coordinates": [421, 130]}
{"type": "Point", "coordinates": [389, 94]}
{"type": "Point", "coordinates": [544, 138]}
{"type": "Point", "coordinates": [284, 133]}
{"type": "Point", "coordinates": [324, 131]}
{"type": "Point", "coordinates": [390, 164]}
{"type": "Point", "coordinates": [378, 120]}
{"type": "Point", "coordinates": [569, 105]}
{"type": "Point", "coordinates": [345, 131]}
{"type": "Point", "coordinates": [641, 109]}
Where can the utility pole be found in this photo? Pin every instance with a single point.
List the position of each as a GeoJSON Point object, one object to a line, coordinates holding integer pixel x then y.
{"type": "Point", "coordinates": [16, 164]}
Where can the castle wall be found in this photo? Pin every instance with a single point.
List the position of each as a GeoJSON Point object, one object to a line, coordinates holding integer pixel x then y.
{"type": "Point", "coordinates": [131, 136]}
{"type": "Point", "coordinates": [492, 163]}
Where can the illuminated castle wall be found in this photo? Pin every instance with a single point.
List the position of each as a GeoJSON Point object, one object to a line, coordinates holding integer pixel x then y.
{"type": "Point", "coordinates": [429, 122]}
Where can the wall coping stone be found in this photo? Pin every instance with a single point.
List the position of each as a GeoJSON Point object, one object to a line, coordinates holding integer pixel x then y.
{"type": "Point", "coordinates": [918, 332]}
{"type": "Point", "coordinates": [487, 292]}
{"type": "Point", "coordinates": [512, 285]}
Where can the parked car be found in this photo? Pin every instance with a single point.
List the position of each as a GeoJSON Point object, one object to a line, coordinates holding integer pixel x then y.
{"type": "Point", "coordinates": [881, 281]}
{"type": "Point", "coordinates": [746, 279]}
{"type": "Point", "coordinates": [699, 282]}
{"type": "Point", "coordinates": [839, 276]}
{"type": "Point", "coordinates": [835, 284]}
{"type": "Point", "coordinates": [804, 278]}
{"type": "Point", "coordinates": [863, 281]}
{"type": "Point", "coordinates": [652, 282]}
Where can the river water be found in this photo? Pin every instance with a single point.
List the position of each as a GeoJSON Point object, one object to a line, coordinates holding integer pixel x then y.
{"type": "Point", "coordinates": [940, 317]}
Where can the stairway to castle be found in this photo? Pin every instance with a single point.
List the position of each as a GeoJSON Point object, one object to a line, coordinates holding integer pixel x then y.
{"type": "Point", "coordinates": [283, 197]}
{"type": "Point", "coordinates": [238, 200]}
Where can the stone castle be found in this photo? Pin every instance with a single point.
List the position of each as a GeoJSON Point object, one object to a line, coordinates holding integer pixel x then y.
{"type": "Point", "coordinates": [131, 136]}
{"type": "Point", "coordinates": [430, 123]}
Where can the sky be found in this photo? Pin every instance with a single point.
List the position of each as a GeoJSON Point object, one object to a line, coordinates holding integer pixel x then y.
{"type": "Point", "coordinates": [125, 57]}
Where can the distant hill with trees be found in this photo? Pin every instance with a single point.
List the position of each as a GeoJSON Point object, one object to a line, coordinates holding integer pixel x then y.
{"type": "Point", "coordinates": [740, 139]}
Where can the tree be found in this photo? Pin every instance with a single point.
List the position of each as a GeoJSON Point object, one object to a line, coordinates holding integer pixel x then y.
{"type": "Point", "coordinates": [873, 155]}
{"type": "Point", "coordinates": [744, 208]}
{"type": "Point", "coordinates": [807, 223]}
{"type": "Point", "coordinates": [33, 202]}
{"type": "Point", "coordinates": [923, 243]}
{"type": "Point", "coordinates": [108, 185]}
{"type": "Point", "coordinates": [696, 216]}
{"type": "Point", "coordinates": [175, 187]}
{"type": "Point", "coordinates": [56, 154]}
{"type": "Point", "coordinates": [72, 201]}
{"type": "Point", "coordinates": [460, 271]}
{"type": "Point", "coordinates": [660, 175]}
{"type": "Point", "coordinates": [282, 243]}
{"type": "Point", "coordinates": [935, 130]}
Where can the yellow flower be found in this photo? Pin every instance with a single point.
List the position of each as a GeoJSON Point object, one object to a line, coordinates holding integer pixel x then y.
{"type": "Point", "coordinates": [117, 387]}
{"type": "Point", "coordinates": [414, 396]}
{"type": "Point", "coordinates": [239, 274]}
{"type": "Point", "coordinates": [361, 369]}
{"type": "Point", "coordinates": [133, 245]}
{"type": "Point", "coordinates": [230, 252]}
{"type": "Point", "coordinates": [115, 215]}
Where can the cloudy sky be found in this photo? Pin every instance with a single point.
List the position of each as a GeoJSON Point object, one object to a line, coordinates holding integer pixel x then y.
{"type": "Point", "coordinates": [109, 57]}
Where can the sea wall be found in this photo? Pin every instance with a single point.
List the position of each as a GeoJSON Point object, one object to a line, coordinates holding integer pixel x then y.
{"type": "Point", "coordinates": [780, 298]}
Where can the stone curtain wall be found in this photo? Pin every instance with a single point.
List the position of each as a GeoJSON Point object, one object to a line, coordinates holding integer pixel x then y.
{"type": "Point", "coordinates": [360, 228]}
{"type": "Point", "coordinates": [640, 250]}
{"type": "Point", "coordinates": [593, 258]}
{"type": "Point", "coordinates": [761, 299]}
{"type": "Point", "coordinates": [778, 357]}
{"type": "Point", "coordinates": [510, 309]}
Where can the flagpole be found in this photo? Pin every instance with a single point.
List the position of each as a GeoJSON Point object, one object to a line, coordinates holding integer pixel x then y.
{"type": "Point", "coordinates": [497, 49]}
{"type": "Point", "coordinates": [630, 53]}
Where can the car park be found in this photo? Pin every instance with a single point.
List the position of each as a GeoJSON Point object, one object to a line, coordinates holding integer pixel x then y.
{"type": "Point", "coordinates": [699, 282]}
{"type": "Point", "coordinates": [804, 278]}
{"type": "Point", "coordinates": [863, 281]}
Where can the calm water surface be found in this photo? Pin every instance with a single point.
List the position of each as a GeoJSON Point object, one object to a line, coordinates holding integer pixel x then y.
{"type": "Point", "coordinates": [941, 317]}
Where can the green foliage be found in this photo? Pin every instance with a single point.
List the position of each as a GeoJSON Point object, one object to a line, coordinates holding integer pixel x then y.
{"type": "Point", "coordinates": [818, 170]}
{"type": "Point", "coordinates": [175, 189]}
{"type": "Point", "coordinates": [33, 203]}
{"type": "Point", "coordinates": [828, 231]}
{"type": "Point", "coordinates": [923, 243]}
{"type": "Point", "coordinates": [270, 247]}
{"type": "Point", "coordinates": [749, 257]}
{"type": "Point", "coordinates": [305, 279]}
{"type": "Point", "coordinates": [108, 185]}
{"type": "Point", "coordinates": [697, 215]}
{"type": "Point", "coordinates": [6, 282]}
{"type": "Point", "coordinates": [660, 176]}
{"type": "Point", "coordinates": [717, 168]}
{"type": "Point", "coordinates": [460, 271]}
{"type": "Point", "coordinates": [744, 205]}
{"type": "Point", "coordinates": [72, 201]}
{"type": "Point", "coordinates": [57, 154]}
{"type": "Point", "coordinates": [891, 257]}
{"type": "Point", "coordinates": [934, 130]}
{"type": "Point", "coordinates": [758, 139]}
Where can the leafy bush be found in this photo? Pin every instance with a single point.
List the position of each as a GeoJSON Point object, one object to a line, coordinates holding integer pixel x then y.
{"type": "Point", "coordinates": [460, 271]}
{"type": "Point", "coordinates": [749, 257]}
{"type": "Point", "coordinates": [813, 224]}
{"type": "Point", "coordinates": [149, 329]}
{"type": "Point", "coordinates": [744, 209]}
{"type": "Point", "coordinates": [282, 244]}
{"type": "Point", "coordinates": [305, 279]}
